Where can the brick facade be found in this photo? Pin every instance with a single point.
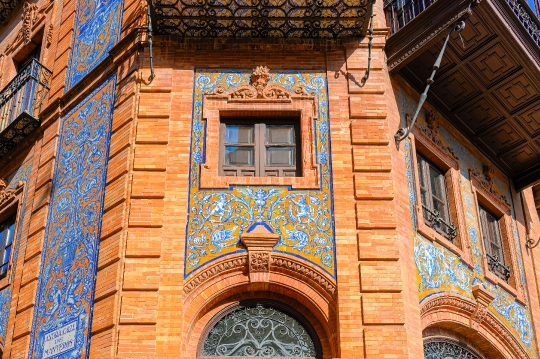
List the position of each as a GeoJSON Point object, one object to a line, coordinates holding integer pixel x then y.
{"type": "Point", "coordinates": [374, 303]}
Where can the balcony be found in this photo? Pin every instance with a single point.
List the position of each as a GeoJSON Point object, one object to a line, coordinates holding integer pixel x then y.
{"type": "Point", "coordinates": [488, 84]}
{"type": "Point", "coordinates": [261, 19]}
{"type": "Point", "coordinates": [20, 104]}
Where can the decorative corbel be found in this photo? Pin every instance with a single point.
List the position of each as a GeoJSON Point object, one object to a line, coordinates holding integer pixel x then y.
{"type": "Point", "coordinates": [259, 244]}
{"type": "Point", "coordinates": [483, 300]}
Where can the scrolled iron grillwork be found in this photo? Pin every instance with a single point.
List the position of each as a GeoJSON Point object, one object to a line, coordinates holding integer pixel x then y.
{"type": "Point", "coordinates": [435, 221]}
{"type": "Point", "coordinates": [497, 267]}
{"type": "Point", "coordinates": [527, 18]}
{"type": "Point", "coordinates": [261, 18]}
{"type": "Point", "coordinates": [446, 350]}
{"type": "Point", "coordinates": [20, 104]}
{"type": "Point", "coordinates": [259, 331]}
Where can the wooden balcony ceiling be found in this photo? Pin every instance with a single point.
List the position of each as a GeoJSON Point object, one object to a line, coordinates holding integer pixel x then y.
{"type": "Point", "coordinates": [490, 88]}
{"type": "Point", "coordinates": [261, 18]}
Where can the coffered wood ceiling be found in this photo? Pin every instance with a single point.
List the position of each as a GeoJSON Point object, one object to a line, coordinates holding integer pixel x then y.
{"type": "Point", "coordinates": [489, 88]}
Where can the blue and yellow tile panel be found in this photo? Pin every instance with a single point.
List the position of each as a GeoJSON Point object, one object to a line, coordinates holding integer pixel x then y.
{"type": "Point", "coordinates": [64, 300]}
{"type": "Point", "coordinates": [302, 218]}
{"type": "Point", "coordinates": [440, 270]}
{"type": "Point", "coordinates": [98, 24]}
{"type": "Point", "coordinates": [22, 174]}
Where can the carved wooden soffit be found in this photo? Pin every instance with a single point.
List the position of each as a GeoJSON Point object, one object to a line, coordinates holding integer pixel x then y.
{"type": "Point", "coordinates": [259, 89]}
{"type": "Point", "coordinates": [483, 300]}
{"type": "Point", "coordinates": [259, 244]}
{"type": "Point", "coordinates": [402, 56]}
{"type": "Point", "coordinates": [485, 180]}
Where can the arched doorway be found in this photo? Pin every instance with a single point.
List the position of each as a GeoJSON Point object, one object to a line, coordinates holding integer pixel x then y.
{"type": "Point", "coordinates": [259, 328]}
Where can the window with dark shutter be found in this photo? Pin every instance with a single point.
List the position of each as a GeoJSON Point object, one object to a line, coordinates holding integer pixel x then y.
{"type": "Point", "coordinates": [434, 200]}
{"type": "Point", "coordinates": [491, 233]}
{"type": "Point", "coordinates": [264, 148]}
{"type": "Point", "coordinates": [7, 231]}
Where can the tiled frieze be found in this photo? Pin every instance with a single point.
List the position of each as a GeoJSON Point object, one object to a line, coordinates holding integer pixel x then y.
{"type": "Point", "coordinates": [440, 270]}
{"type": "Point", "coordinates": [67, 279]}
{"type": "Point", "coordinates": [97, 29]}
{"type": "Point", "coordinates": [21, 174]}
{"type": "Point", "coordinates": [303, 218]}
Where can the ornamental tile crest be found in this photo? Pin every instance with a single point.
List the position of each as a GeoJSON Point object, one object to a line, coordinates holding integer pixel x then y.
{"type": "Point", "coordinates": [97, 29]}
{"type": "Point", "coordinates": [217, 218]}
{"type": "Point", "coordinates": [65, 294]}
{"type": "Point", "coordinates": [273, 18]}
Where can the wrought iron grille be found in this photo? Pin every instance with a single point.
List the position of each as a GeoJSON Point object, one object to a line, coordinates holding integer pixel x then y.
{"type": "Point", "coordinates": [400, 12]}
{"type": "Point", "coordinates": [258, 331]}
{"type": "Point", "coordinates": [20, 104]}
{"type": "Point", "coordinates": [435, 221]}
{"type": "Point", "coordinates": [497, 267]}
{"type": "Point", "coordinates": [446, 350]}
{"type": "Point", "coordinates": [261, 18]}
{"type": "Point", "coordinates": [6, 7]}
{"type": "Point", "coordinates": [527, 18]}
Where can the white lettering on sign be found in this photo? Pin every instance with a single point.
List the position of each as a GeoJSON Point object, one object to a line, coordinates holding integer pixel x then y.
{"type": "Point", "coordinates": [60, 340]}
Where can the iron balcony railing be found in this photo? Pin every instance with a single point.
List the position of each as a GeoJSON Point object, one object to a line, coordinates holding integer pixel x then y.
{"type": "Point", "coordinates": [400, 12]}
{"type": "Point", "coordinates": [527, 18]}
{"type": "Point", "coordinates": [498, 268]}
{"type": "Point", "coordinates": [20, 104]}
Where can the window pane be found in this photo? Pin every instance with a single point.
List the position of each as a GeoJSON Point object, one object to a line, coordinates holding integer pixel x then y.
{"type": "Point", "coordinates": [11, 231]}
{"type": "Point", "coordinates": [421, 172]}
{"type": "Point", "coordinates": [441, 208]}
{"type": "Point", "coordinates": [239, 156]}
{"type": "Point", "coordinates": [280, 156]}
{"type": "Point", "coordinates": [3, 269]}
{"type": "Point", "coordinates": [5, 259]}
{"type": "Point", "coordinates": [239, 134]}
{"type": "Point", "coordinates": [437, 183]}
{"type": "Point", "coordinates": [279, 134]}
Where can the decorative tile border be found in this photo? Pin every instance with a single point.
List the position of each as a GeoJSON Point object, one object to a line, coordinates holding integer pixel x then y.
{"type": "Point", "coordinates": [440, 270]}
{"type": "Point", "coordinates": [22, 174]}
{"type": "Point", "coordinates": [302, 218]}
{"type": "Point", "coordinates": [97, 29]}
{"type": "Point", "coordinates": [64, 300]}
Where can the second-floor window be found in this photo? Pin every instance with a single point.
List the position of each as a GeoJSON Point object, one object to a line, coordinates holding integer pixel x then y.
{"type": "Point", "coordinates": [7, 232]}
{"type": "Point", "coordinates": [263, 148]}
{"type": "Point", "coordinates": [493, 243]}
{"type": "Point", "coordinates": [434, 199]}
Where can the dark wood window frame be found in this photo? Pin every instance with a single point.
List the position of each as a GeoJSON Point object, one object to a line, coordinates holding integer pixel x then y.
{"type": "Point", "coordinates": [260, 146]}
{"type": "Point", "coordinates": [493, 243]}
{"type": "Point", "coordinates": [439, 219]}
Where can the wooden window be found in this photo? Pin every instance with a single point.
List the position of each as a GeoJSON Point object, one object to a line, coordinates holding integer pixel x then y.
{"type": "Point", "coordinates": [434, 200]}
{"type": "Point", "coordinates": [491, 233]}
{"type": "Point", "coordinates": [259, 148]}
{"type": "Point", "coordinates": [7, 230]}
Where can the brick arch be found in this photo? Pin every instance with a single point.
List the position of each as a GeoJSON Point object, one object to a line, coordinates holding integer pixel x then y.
{"type": "Point", "coordinates": [232, 284]}
{"type": "Point", "coordinates": [447, 314]}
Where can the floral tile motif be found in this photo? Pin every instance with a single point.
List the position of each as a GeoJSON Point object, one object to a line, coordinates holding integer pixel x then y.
{"type": "Point", "coordinates": [21, 174]}
{"type": "Point", "coordinates": [66, 285]}
{"type": "Point", "coordinates": [440, 270]}
{"type": "Point", "coordinates": [302, 218]}
{"type": "Point", "coordinates": [98, 24]}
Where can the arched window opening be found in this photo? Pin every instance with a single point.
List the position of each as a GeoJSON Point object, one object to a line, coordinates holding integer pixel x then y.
{"type": "Point", "coordinates": [260, 329]}
{"type": "Point", "coordinates": [446, 349]}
